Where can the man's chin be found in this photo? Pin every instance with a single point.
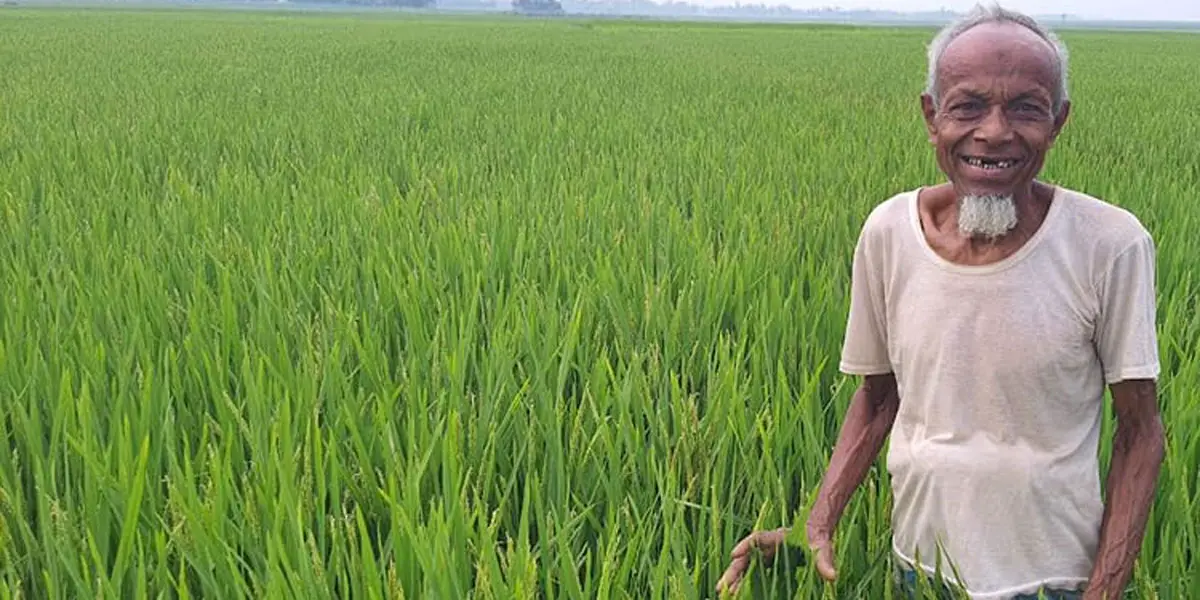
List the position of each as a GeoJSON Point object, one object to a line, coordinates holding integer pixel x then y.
{"type": "Point", "coordinates": [966, 188]}
{"type": "Point", "coordinates": [986, 216]}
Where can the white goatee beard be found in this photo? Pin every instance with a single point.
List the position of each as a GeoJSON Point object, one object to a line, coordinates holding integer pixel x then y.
{"type": "Point", "coordinates": [989, 216]}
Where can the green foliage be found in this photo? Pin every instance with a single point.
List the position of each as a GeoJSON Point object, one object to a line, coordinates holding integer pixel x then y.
{"type": "Point", "coordinates": [349, 306]}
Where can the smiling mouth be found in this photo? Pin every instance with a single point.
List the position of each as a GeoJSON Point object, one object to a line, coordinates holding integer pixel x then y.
{"type": "Point", "coordinates": [991, 164]}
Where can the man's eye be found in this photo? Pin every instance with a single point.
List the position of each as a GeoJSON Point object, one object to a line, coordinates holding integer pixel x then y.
{"type": "Point", "coordinates": [966, 108]}
{"type": "Point", "coordinates": [1029, 110]}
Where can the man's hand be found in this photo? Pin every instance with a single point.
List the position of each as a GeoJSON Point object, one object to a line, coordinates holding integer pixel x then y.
{"type": "Point", "coordinates": [866, 426]}
{"type": "Point", "coordinates": [767, 542]}
{"type": "Point", "coordinates": [820, 542]}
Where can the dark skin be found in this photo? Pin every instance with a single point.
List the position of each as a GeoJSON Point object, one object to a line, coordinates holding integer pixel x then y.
{"type": "Point", "coordinates": [997, 102]}
{"type": "Point", "coordinates": [997, 84]}
{"type": "Point", "coordinates": [1139, 445]}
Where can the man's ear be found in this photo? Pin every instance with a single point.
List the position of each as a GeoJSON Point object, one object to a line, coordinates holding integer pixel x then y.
{"type": "Point", "coordinates": [930, 112]}
{"type": "Point", "coordinates": [1060, 120]}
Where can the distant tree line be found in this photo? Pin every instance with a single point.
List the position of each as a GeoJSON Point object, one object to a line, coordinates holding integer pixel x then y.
{"type": "Point", "coordinates": [401, 3]}
{"type": "Point", "coordinates": [551, 7]}
{"type": "Point", "coordinates": [531, 7]}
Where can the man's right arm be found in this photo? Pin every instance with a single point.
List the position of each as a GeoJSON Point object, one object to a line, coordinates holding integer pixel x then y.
{"type": "Point", "coordinates": [873, 408]}
{"type": "Point", "coordinates": [865, 428]}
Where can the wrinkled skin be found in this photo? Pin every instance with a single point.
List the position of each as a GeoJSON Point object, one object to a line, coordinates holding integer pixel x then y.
{"type": "Point", "coordinates": [997, 85]}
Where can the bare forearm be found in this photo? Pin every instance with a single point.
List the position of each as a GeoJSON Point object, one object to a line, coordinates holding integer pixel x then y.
{"type": "Point", "coordinates": [867, 424]}
{"type": "Point", "coordinates": [1137, 455]}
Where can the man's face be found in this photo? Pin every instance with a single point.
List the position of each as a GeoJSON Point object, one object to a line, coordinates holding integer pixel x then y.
{"type": "Point", "coordinates": [995, 121]}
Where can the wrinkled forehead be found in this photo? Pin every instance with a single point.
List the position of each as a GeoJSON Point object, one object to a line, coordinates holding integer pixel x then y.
{"type": "Point", "coordinates": [1006, 51]}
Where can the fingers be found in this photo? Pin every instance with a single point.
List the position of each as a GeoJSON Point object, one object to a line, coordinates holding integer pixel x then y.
{"type": "Point", "coordinates": [766, 542]}
{"type": "Point", "coordinates": [821, 544]}
{"type": "Point", "coordinates": [825, 562]}
{"type": "Point", "coordinates": [733, 575]}
{"type": "Point", "coordinates": [743, 547]}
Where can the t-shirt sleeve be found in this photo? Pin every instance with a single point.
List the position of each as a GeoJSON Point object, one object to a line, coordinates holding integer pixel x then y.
{"type": "Point", "coordinates": [865, 347]}
{"type": "Point", "coordinates": [1125, 328]}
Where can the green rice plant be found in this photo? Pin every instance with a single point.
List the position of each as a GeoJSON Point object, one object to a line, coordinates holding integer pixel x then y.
{"type": "Point", "coordinates": [387, 306]}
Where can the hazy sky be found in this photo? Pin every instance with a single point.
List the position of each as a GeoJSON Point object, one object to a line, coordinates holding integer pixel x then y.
{"type": "Point", "coordinates": [1105, 9]}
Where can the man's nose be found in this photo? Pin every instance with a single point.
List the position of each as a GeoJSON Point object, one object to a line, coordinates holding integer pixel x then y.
{"type": "Point", "coordinates": [994, 127]}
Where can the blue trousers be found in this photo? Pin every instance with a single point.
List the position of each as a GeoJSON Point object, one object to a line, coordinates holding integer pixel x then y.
{"type": "Point", "coordinates": [909, 590]}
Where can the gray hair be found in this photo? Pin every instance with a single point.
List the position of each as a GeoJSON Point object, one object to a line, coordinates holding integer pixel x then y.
{"type": "Point", "coordinates": [995, 14]}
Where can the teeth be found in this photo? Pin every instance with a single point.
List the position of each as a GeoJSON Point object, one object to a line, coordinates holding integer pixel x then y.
{"type": "Point", "coordinates": [989, 164]}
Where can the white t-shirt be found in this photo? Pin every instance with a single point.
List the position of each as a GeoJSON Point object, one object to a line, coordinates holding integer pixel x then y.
{"type": "Point", "coordinates": [1001, 371]}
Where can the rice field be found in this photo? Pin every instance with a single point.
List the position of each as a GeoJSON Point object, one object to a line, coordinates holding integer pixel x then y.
{"type": "Point", "coordinates": [372, 306]}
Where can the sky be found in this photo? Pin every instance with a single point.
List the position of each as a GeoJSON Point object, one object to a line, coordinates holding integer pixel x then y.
{"type": "Point", "coordinates": [1185, 10]}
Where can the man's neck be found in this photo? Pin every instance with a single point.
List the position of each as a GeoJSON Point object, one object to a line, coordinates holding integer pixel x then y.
{"type": "Point", "coordinates": [938, 209]}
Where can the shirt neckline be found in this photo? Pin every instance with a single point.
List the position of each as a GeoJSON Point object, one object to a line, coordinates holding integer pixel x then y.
{"type": "Point", "coordinates": [914, 218]}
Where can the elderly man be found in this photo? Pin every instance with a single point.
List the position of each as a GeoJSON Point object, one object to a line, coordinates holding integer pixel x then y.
{"type": "Point", "coordinates": [987, 314]}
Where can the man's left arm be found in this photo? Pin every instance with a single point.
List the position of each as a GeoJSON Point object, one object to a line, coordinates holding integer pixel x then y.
{"type": "Point", "coordinates": [1137, 453]}
{"type": "Point", "coordinates": [1128, 348]}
